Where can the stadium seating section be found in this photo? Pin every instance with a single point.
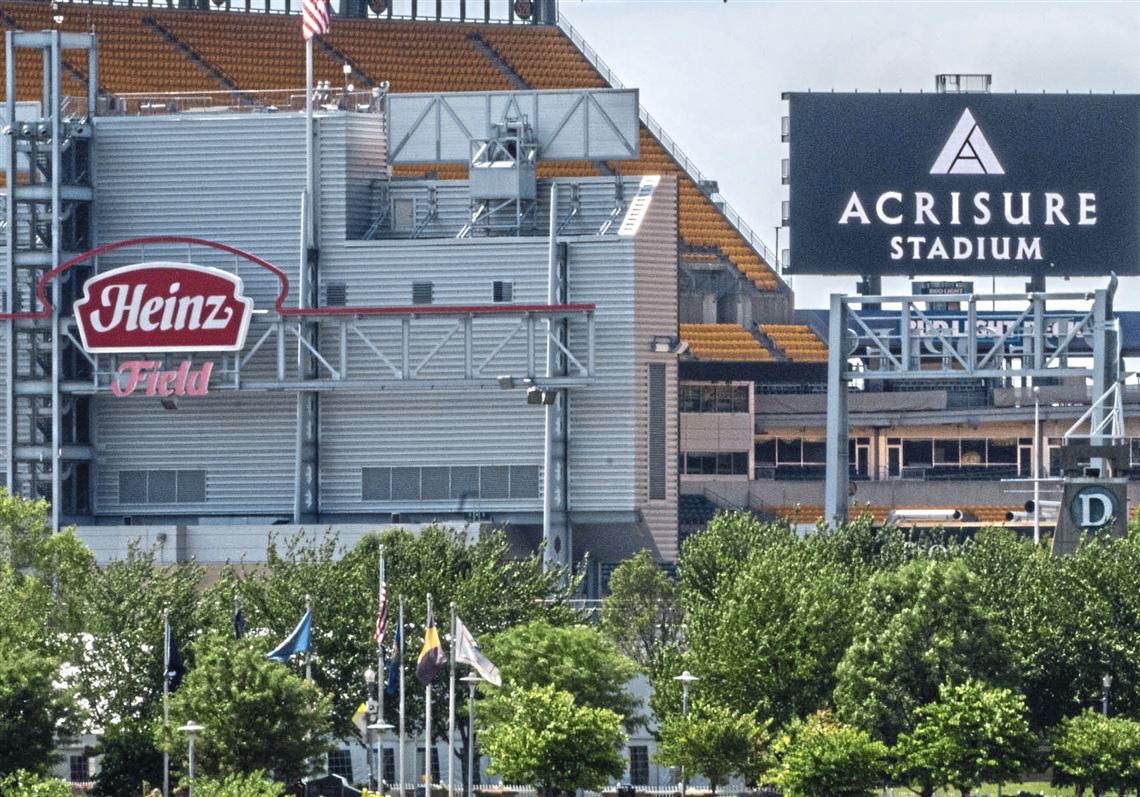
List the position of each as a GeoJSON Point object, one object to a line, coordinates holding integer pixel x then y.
{"type": "Point", "coordinates": [144, 49]}
{"type": "Point", "coordinates": [974, 515]}
{"type": "Point", "coordinates": [797, 342]}
{"type": "Point", "coordinates": [727, 342]}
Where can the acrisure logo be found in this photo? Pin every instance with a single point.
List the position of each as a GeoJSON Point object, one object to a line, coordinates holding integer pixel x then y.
{"type": "Point", "coordinates": [967, 151]}
{"type": "Point", "coordinates": [923, 218]}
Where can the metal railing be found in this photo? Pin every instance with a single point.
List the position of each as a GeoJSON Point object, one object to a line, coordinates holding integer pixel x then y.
{"type": "Point", "coordinates": [658, 132]}
{"type": "Point", "coordinates": [263, 101]}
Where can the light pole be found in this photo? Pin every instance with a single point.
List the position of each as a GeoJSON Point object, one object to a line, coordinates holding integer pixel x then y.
{"type": "Point", "coordinates": [378, 729]}
{"type": "Point", "coordinates": [1036, 465]}
{"type": "Point", "coordinates": [1106, 685]}
{"type": "Point", "coordinates": [369, 708]}
{"type": "Point", "coordinates": [190, 729]}
{"type": "Point", "coordinates": [347, 70]}
{"type": "Point", "coordinates": [471, 679]}
{"type": "Point", "coordinates": [685, 678]}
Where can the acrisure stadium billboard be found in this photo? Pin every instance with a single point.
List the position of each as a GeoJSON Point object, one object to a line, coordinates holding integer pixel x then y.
{"type": "Point", "coordinates": [934, 184]}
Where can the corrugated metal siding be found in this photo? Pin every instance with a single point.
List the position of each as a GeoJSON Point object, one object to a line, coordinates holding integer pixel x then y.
{"type": "Point", "coordinates": [365, 166]}
{"type": "Point", "coordinates": [245, 444]}
{"type": "Point", "coordinates": [655, 302]}
{"type": "Point", "coordinates": [601, 456]}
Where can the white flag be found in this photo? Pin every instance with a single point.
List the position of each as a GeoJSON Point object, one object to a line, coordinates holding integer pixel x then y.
{"type": "Point", "coordinates": [467, 651]}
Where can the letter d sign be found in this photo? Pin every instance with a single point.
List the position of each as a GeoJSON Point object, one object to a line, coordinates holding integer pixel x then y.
{"type": "Point", "coordinates": [1093, 507]}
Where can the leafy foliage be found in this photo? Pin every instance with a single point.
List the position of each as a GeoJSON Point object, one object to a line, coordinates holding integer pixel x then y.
{"type": "Point", "coordinates": [254, 784]}
{"type": "Point", "coordinates": [642, 613]}
{"type": "Point", "coordinates": [573, 659]}
{"type": "Point", "coordinates": [821, 757]}
{"type": "Point", "coordinates": [714, 741]}
{"type": "Point", "coordinates": [974, 734]}
{"type": "Point", "coordinates": [30, 708]}
{"type": "Point", "coordinates": [26, 784]}
{"type": "Point", "coordinates": [545, 737]}
{"type": "Point", "coordinates": [1091, 751]}
{"type": "Point", "coordinates": [128, 757]}
{"type": "Point", "coordinates": [919, 626]}
{"type": "Point", "coordinates": [257, 714]}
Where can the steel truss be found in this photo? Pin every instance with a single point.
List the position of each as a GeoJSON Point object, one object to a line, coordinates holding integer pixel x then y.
{"type": "Point", "coordinates": [924, 348]}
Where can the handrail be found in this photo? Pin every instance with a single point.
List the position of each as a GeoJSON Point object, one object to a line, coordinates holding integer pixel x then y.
{"type": "Point", "coordinates": [657, 131]}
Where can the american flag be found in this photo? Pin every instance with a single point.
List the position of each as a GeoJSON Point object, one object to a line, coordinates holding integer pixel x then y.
{"type": "Point", "coordinates": [314, 18]}
{"type": "Point", "coordinates": [382, 615]}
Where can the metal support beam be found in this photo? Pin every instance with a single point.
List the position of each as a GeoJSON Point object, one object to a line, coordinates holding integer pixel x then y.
{"type": "Point", "coordinates": [555, 525]}
{"type": "Point", "coordinates": [838, 472]}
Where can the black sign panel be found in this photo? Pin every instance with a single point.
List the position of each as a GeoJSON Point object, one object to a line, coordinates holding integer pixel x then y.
{"type": "Point", "coordinates": [964, 184]}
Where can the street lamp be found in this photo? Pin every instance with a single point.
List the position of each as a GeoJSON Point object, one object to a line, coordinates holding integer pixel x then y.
{"type": "Point", "coordinates": [347, 70]}
{"type": "Point", "coordinates": [378, 728]}
{"type": "Point", "coordinates": [190, 729]}
{"type": "Point", "coordinates": [1106, 684]}
{"type": "Point", "coordinates": [471, 679]}
{"type": "Point", "coordinates": [685, 678]}
{"type": "Point", "coordinates": [369, 707]}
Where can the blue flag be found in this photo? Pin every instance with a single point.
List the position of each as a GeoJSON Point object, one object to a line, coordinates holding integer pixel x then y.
{"type": "Point", "coordinates": [297, 642]}
{"type": "Point", "coordinates": [239, 624]}
{"type": "Point", "coordinates": [393, 680]}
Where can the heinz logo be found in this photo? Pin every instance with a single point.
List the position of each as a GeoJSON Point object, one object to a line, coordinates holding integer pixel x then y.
{"type": "Point", "coordinates": [158, 307]}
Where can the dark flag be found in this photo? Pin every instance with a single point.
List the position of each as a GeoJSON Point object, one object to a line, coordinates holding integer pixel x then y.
{"type": "Point", "coordinates": [432, 658]}
{"type": "Point", "coordinates": [172, 659]}
{"type": "Point", "coordinates": [239, 623]}
{"type": "Point", "coordinates": [393, 680]}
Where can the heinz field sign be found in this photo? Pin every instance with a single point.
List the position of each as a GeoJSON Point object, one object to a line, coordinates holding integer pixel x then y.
{"type": "Point", "coordinates": [964, 184]}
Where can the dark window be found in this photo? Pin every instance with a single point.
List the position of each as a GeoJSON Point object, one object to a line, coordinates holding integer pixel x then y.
{"type": "Point", "coordinates": [1002, 452]}
{"type": "Point", "coordinates": [524, 481]}
{"type": "Point", "coordinates": [494, 481]}
{"type": "Point", "coordinates": [657, 431]}
{"type": "Point", "coordinates": [766, 452]}
{"type": "Point", "coordinates": [340, 763]}
{"type": "Point", "coordinates": [434, 484]}
{"type": "Point", "coordinates": [502, 291]}
{"type": "Point", "coordinates": [916, 453]}
{"type": "Point", "coordinates": [422, 293]}
{"type": "Point", "coordinates": [638, 765]}
{"type": "Point", "coordinates": [973, 452]}
{"type": "Point", "coordinates": [162, 486]}
{"type": "Point", "coordinates": [376, 484]}
{"type": "Point", "coordinates": [689, 398]}
{"type": "Point", "coordinates": [708, 398]}
{"type": "Point", "coordinates": [464, 482]}
{"type": "Point", "coordinates": [405, 484]}
{"type": "Point", "coordinates": [389, 765]}
{"type": "Point", "coordinates": [815, 452]}
{"type": "Point", "coordinates": [79, 769]}
{"type": "Point", "coordinates": [946, 452]}
{"type": "Point", "coordinates": [740, 398]}
{"type": "Point", "coordinates": [789, 451]}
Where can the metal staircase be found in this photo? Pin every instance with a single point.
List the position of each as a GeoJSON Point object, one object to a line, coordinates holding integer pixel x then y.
{"type": "Point", "coordinates": [50, 179]}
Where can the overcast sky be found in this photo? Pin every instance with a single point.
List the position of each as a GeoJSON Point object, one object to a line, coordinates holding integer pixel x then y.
{"type": "Point", "coordinates": [712, 72]}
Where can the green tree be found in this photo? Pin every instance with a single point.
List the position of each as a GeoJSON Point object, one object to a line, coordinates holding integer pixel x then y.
{"type": "Point", "coordinates": [820, 757]}
{"type": "Point", "coordinates": [713, 741]}
{"type": "Point", "coordinates": [32, 709]}
{"type": "Point", "coordinates": [768, 615]}
{"type": "Point", "coordinates": [920, 626]}
{"type": "Point", "coordinates": [28, 784]}
{"type": "Point", "coordinates": [255, 784]}
{"type": "Point", "coordinates": [574, 659]}
{"type": "Point", "coordinates": [642, 614]}
{"type": "Point", "coordinates": [974, 734]}
{"type": "Point", "coordinates": [547, 738]}
{"type": "Point", "coordinates": [128, 757]}
{"type": "Point", "coordinates": [1098, 753]}
{"type": "Point", "coordinates": [257, 714]}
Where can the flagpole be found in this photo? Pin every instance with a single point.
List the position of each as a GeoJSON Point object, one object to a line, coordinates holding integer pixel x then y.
{"type": "Point", "coordinates": [427, 720]}
{"type": "Point", "coordinates": [451, 712]}
{"type": "Point", "coordinates": [308, 210]}
{"type": "Point", "coordinates": [401, 673]}
{"type": "Point", "coordinates": [165, 698]}
{"type": "Point", "coordinates": [381, 680]}
{"type": "Point", "coordinates": [309, 648]}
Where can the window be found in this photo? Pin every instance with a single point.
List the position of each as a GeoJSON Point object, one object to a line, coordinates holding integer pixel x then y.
{"type": "Point", "coordinates": [712, 398]}
{"type": "Point", "coordinates": [79, 769]}
{"type": "Point", "coordinates": [723, 463]}
{"type": "Point", "coordinates": [389, 765]}
{"type": "Point", "coordinates": [340, 763]}
{"type": "Point", "coordinates": [502, 291]}
{"type": "Point", "coordinates": [917, 453]}
{"type": "Point", "coordinates": [766, 452]}
{"type": "Point", "coordinates": [422, 292]}
{"type": "Point", "coordinates": [162, 486]}
{"type": "Point", "coordinates": [419, 773]}
{"type": "Point", "coordinates": [638, 765]}
{"type": "Point", "coordinates": [657, 426]}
